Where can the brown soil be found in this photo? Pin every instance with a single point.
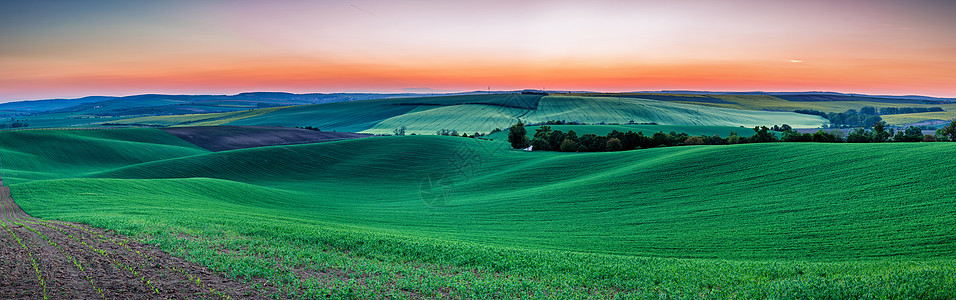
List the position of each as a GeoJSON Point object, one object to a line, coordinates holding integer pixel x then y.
{"type": "Point", "coordinates": [43, 259]}
{"type": "Point", "coordinates": [222, 138]}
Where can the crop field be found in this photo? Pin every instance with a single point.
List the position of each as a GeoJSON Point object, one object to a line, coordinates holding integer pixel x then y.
{"type": "Point", "coordinates": [920, 117]}
{"type": "Point", "coordinates": [483, 113]}
{"type": "Point", "coordinates": [46, 259]}
{"type": "Point", "coordinates": [449, 217]}
{"type": "Point", "coordinates": [210, 119]}
{"type": "Point", "coordinates": [624, 110]}
{"type": "Point", "coordinates": [480, 112]}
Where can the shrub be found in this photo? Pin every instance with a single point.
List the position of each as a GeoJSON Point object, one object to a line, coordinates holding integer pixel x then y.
{"type": "Point", "coordinates": [569, 145]}
{"type": "Point", "coordinates": [614, 144]}
{"type": "Point", "coordinates": [694, 140]}
{"type": "Point", "coordinates": [540, 144]}
{"type": "Point", "coordinates": [733, 139]}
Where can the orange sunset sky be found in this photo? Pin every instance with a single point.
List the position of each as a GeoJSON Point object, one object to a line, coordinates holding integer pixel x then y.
{"type": "Point", "coordinates": [68, 49]}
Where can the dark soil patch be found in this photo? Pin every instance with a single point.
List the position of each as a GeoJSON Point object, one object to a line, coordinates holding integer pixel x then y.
{"type": "Point", "coordinates": [222, 138]}
{"type": "Point", "coordinates": [59, 260]}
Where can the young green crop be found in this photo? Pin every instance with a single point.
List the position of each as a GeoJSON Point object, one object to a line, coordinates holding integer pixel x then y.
{"type": "Point", "coordinates": [465, 218]}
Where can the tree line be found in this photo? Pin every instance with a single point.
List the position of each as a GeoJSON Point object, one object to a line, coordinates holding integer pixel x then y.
{"type": "Point", "coordinates": [14, 125]}
{"type": "Point", "coordinates": [546, 139]}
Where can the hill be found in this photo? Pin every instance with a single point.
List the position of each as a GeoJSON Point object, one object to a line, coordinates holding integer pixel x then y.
{"type": "Point", "coordinates": [221, 138]}
{"type": "Point", "coordinates": [465, 112]}
{"type": "Point", "coordinates": [484, 113]}
{"type": "Point", "coordinates": [807, 220]}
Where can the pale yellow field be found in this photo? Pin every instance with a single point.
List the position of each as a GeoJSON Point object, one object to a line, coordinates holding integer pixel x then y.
{"type": "Point", "coordinates": [211, 119]}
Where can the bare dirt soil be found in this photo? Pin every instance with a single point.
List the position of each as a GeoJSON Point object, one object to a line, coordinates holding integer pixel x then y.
{"type": "Point", "coordinates": [222, 138]}
{"type": "Point", "coordinates": [44, 259]}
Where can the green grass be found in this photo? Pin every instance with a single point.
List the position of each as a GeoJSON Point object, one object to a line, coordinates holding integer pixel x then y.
{"type": "Point", "coordinates": [744, 221]}
{"type": "Point", "coordinates": [44, 154]}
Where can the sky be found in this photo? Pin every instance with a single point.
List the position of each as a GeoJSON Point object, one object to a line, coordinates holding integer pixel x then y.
{"type": "Point", "coordinates": [68, 49]}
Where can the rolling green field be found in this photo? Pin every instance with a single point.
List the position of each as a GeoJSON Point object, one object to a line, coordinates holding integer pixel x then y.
{"type": "Point", "coordinates": [484, 113]}
{"type": "Point", "coordinates": [773, 103]}
{"type": "Point", "coordinates": [481, 112]}
{"type": "Point", "coordinates": [433, 217]}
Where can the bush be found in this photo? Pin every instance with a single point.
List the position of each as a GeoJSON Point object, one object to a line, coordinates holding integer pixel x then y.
{"type": "Point", "coordinates": [694, 140]}
{"type": "Point", "coordinates": [912, 134]}
{"type": "Point", "coordinates": [860, 136]}
{"type": "Point", "coordinates": [733, 139]}
{"type": "Point", "coordinates": [540, 144]}
{"type": "Point", "coordinates": [569, 145]}
{"type": "Point", "coordinates": [823, 137]}
{"type": "Point", "coordinates": [929, 138]}
{"type": "Point", "coordinates": [614, 144]}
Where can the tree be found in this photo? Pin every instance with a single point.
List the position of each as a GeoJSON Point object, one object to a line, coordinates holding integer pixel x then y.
{"type": "Point", "coordinates": [714, 140]}
{"type": "Point", "coordinates": [912, 134]}
{"type": "Point", "coordinates": [399, 131]}
{"type": "Point", "coordinates": [518, 136]}
{"type": "Point", "coordinates": [868, 110]}
{"type": "Point", "coordinates": [949, 131]}
{"type": "Point", "coordinates": [542, 132]}
{"type": "Point", "coordinates": [555, 139]}
{"type": "Point", "coordinates": [733, 138]}
{"type": "Point", "coordinates": [614, 144]}
{"type": "Point", "coordinates": [571, 135]}
{"type": "Point", "coordinates": [569, 145]}
{"type": "Point", "coordinates": [793, 136]}
{"type": "Point", "coordinates": [879, 132]}
{"type": "Point", "coordinates": [823, 137]}
{"type": "Point", "coordinates": [860, 136]}
{"type": "Point", "coordinates": [540, 144]}
{"type": "Point", "coordinates": [871, 120]}
{"type": "Point", "coordinates": [762, 135]}
{"type": "Point", "coordinates": [694, 140]}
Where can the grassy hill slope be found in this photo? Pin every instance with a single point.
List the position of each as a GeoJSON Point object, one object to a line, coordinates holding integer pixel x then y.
{"type": "Point", "coordinates": [440, 215]}
{"type": "Point", "coordinates": [483, 113]}
{"type": "Point", "coordinates": [805, 201]}
{"type": "Point", "coordinates": [42, 154]}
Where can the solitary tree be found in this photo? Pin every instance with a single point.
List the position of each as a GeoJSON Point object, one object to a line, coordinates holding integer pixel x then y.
{"type": "Point", "coordinates": [518, 136]}
{"type": "Point", "coordinates": [400, 130]}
